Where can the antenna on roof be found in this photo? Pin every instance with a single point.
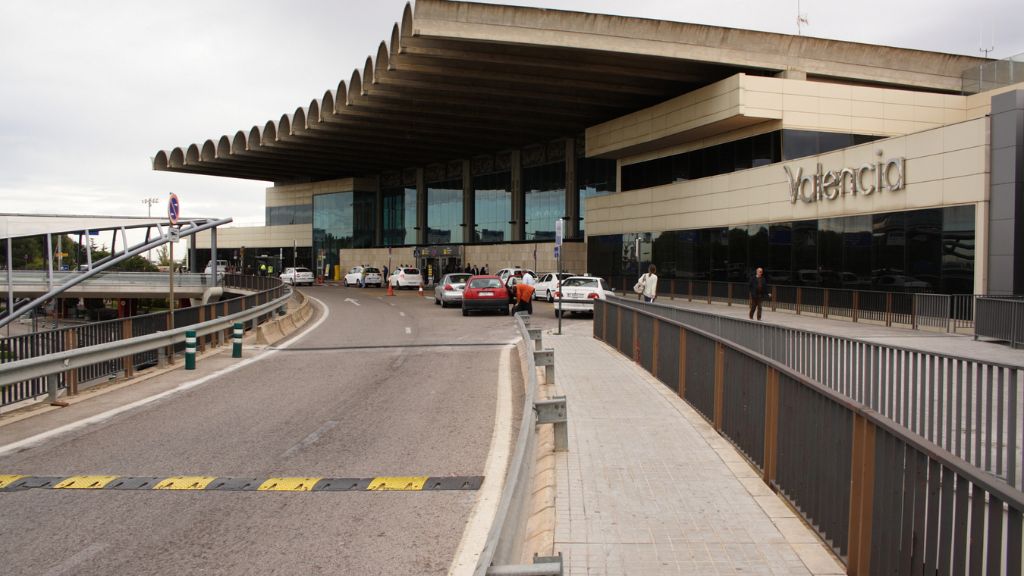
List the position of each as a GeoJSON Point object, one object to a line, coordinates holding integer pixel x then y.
{"type": "Point", "coordinates": [801, 19]}
{"type": "Point", "coordinates": [991, 42]}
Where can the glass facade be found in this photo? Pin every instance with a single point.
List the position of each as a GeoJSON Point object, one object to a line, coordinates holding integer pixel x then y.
{"type": "Point", "coordinates": [342, 220]}
{"type": "Point", "coordinates": [444, 212]}
{"type": "Point", "coordinates": [918, 251]}
{"type": "Point", "coordinates": [399, 207]}
{"type": "Point", "coordinates": [492, 207]}
{"type": "Point", "coordinates": [594, 177]}
{"type": "Point", "coordinates": [285, 215]}
{"type": "Point", "coordinates": [544, 192]}
{"type": "Point", "coordinates": [737, 155]}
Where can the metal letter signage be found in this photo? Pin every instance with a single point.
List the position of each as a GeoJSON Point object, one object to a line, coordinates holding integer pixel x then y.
{"type": "Point", "coordinates": [889, 175]}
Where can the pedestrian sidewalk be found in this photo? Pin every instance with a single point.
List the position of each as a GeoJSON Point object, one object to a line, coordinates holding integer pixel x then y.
{"type": "Point", "coordinates": [649, 488]}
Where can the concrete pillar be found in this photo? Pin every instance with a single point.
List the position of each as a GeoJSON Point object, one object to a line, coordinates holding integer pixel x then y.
{"type": "Point", "coordinates": [378, 216]}
{"type": "Point", "coordinates": [1006, 194]}
{"type": "Point", "coordinates": [572, 192]}
{"type": "Point", "coordinates": [518, 197]}
{"type": "Point", "coordinates": [468, 204]}
{"type": "Point", "coordinates": [421, 208]}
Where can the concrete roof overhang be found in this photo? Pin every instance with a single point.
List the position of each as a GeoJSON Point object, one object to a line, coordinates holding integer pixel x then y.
{"type": "Point", "coordinates": [458, 79]}
{"type": "Point", "coordinates": [26, 225]}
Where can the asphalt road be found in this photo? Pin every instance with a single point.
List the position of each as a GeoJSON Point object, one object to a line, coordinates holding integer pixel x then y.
{"type": "Point", "coordinates": [385, 386]}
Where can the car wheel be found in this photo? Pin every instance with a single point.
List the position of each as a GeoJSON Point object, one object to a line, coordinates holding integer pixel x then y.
{"type": "Point", "coordinates": [436, 301]}
{"type": "Point", "coordinates": [444, 304]}
{"type": "Point", "coordinates": [344, 282]}
{"type": "Point", "coordinates": [465, 312]}
{"type": "Point", "coordinates": [551, 299]}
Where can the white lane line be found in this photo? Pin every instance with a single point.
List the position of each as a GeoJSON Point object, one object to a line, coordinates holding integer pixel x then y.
{"type": "Point", "coordinates": [474, 537]}
{"type": "Point", "coordinates": [408, 330]}
{"type": "Point", "coordinates": [102, 417]}
{"type": "Point", "coordinates": [308, 440]}
{"type": "Point", "coordinates": [402, 314]}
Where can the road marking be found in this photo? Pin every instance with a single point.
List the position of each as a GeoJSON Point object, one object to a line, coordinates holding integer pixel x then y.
{"type": "Point", "coordinates": [408, 330]}
{"type": "Point", "coordinates": [393, 483]}
{"type": "Point", "coordinates": [68, 566]}
{"type": "Point", "coordinates": [104, 416]}
{"type": "Point", "coordinates": [352, 301]}
{"type": "Point", "coordinates": [474, 537]}
{"type": "Point", "coordinates": [8, 479]}
{"type": "Point", "coordinates": [84, 482]}
{"type": "Point", "coordinates": [229, 484]}
{"type": "Point", "coordinates": [311, 438]}
{"type": "Point", "coordinates": [402, 314]}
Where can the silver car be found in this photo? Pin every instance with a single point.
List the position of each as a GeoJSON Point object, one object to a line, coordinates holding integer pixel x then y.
{"type": "Point", "coordinates": [449, 289]}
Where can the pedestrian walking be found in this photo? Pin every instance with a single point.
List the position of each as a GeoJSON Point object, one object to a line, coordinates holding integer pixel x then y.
{"type": "Point", "coordinates": [758, 291]}
{"type": "Point", "coordinates": [647, 285]}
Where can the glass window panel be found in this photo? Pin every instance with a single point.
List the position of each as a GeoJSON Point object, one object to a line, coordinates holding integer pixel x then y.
{"type": "Point", "coordinates": [399, 216]}
{"type": "Point", "coordinates": [830, 251]}
{"type": "Point", "coordinates": [780, 244]}
{"type": "Point", "coordinates": [492, 200]}
{"type": "Point", "coordinates": [889, 242]}
{"type": "Point", "coordinates": [798, 144]}
{"type": "Point", "coordinates": [544, 191]}
{"type": "Point", "coordinates": [958, 250]}
{"type": "Point", "coordinates": [924, 250]}
{"type": "Point", "coordinates": [444, 212]}
{"type": "Point", "coordinates": [857, 241]}
{"type": "Point", "coordinates": [829, 141]}
{"type": "Point", "coordinates": [595, 177]}
{"type": "Point", "coordinates": [759, 253]}
{"type": "Point", "coordinates": [805, 253]}
{"type": "Point", "coordinates": [736, 265]}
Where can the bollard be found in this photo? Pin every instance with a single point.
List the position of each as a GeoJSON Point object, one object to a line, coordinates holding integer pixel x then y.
{"type": "Point", "coordinates": [190, 350]}
{"type": "Point", "coordinates": [236, 341]}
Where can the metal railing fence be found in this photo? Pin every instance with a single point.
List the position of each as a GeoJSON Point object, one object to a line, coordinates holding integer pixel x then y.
{"type": "Point", "coordinates": [1002, 318]}
{"type": "Point", "coordinates": [39, 344]}
{"type": "Point", "coordinates": [885, 500]}
{"type": "Point", "coordinates": [950, 312]}
{"type": "Point", "coordinates": [971, 408]}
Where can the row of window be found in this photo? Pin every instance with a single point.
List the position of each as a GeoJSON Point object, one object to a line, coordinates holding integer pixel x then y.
{"type": "Point", "coordinates": [737, 155]}
{"type": "Point", "coordinates": [922, 251]}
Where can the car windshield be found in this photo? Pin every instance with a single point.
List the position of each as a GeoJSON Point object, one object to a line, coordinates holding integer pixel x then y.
{"type": "Point", "coordinates": [564, 276]}
{"type": "Point", "coordinates": [303, 270]}
{"type": "Point", "coordinates": [485, 283]}
{"type": "Point", "coordinates": [371, 271]}
{"type": "Point", "coordinates": [458, 278]}
{"type": "Point", "coordinates": [580, 282]}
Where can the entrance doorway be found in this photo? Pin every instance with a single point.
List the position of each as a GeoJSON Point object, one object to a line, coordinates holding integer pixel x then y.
{"type": "Point", "coordinates": [432, 268]}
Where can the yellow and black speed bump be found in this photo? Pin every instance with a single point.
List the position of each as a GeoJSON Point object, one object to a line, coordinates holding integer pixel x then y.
{"type": "Point", "coordinates": [14, 482]}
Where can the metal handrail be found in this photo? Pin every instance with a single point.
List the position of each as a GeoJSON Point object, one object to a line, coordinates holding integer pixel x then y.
{"type": "Point", "coordinates": [37, 278]}
{"type": "Point", "coordinates": [50, 364]}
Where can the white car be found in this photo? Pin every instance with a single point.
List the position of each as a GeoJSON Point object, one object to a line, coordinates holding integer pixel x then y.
{"type": "Point", "coordinates": [363, 276]}
{"type": "Point", "coordinates": [578, 293]}
{"type": "Point", "coordinates": [297, 276]}
{"type": "Point", "coordinates": [406, 278]}
{"type": "Point", "coordinates": [505, 273]}
{"type": "Point", "coordinates": [222, 267]}
{"type": "Point", "coordinates": [547, 284]}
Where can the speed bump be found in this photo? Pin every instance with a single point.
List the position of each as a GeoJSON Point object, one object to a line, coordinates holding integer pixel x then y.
{"type": "Point", "coordinates": [289, 484]}
{"type": "Point", "coordinates": [84, 482]}
{"type": "Point", "coordinates": [18, 482]}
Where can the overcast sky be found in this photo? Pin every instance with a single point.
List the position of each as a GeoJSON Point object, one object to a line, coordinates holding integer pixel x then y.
{"type": "Point", "coordinates": [92, 90]}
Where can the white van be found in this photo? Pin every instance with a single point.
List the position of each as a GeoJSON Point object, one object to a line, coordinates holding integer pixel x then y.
{"type": "Point", "coordinates": [222, 267]}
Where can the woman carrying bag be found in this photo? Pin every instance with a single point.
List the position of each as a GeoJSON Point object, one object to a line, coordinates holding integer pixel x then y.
{"type": "Point", "coordinates": [647, 285]}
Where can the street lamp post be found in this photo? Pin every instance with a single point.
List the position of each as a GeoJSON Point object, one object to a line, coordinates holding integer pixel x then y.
{"type": "Point", "coordinates": [149, 214]}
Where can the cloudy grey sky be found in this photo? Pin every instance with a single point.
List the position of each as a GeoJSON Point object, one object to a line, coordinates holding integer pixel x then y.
{"type": "Point", "coordinates": [91, 90]}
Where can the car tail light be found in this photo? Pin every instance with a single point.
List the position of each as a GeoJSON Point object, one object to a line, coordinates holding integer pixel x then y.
{"type": "Point", "coordinates": [448, 287]}
{"type": "Point", "coordinates": [593, 295]}
{"type": "Point", "coordinates": [558, 294]}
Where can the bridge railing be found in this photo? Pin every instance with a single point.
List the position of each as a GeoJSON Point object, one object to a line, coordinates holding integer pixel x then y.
{"type": "Point", "coordinates": [886, 500]}
{"type": "Point", "coordinates": [971, 408]}
{"type": "Point", "coordinates": [39, 344]}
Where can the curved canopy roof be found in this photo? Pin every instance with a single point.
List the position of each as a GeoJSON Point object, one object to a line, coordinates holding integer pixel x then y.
{"type": "Point", "coordinates": [458, 79]}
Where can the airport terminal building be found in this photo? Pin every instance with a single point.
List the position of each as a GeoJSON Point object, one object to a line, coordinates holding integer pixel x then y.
{"type": "Point", "coordinates": [706, 151]}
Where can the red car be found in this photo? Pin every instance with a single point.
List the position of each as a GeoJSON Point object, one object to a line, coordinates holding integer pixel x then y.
{"type": "Point", "coordinates": [484, 293]}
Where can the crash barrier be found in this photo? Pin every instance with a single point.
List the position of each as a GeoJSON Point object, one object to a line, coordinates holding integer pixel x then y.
{"type": "Point", "coordinates": [503, 551]}
{"type": "Point", "coordinates": [274, 330]}
{"type": "Point", "coordinates": [39, 344]}
{"type": "Point", "coordinates": [887, 501]}
{"type": "Point", "coordinates": [971, 408]}
{"type": "Point", "coordinates": [1002, 318]}
{"type": "Point", "coordinates": [948, 312]}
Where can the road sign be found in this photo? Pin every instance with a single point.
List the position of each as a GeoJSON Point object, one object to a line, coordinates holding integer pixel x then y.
{"type": "Point", "coordinates": [558, 232]}
{"type": "Point", "coordinates": [557, 250]}
{"type": "Point", "coordinates": [174, 234]}
{"type": "Point", "coordinates": [173, 208]}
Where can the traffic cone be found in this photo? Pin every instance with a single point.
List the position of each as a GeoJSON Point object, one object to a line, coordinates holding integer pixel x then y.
{"type": "Point", "coordinates": [391, 290]}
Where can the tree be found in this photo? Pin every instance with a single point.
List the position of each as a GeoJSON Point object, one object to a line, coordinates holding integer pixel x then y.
{"type": "Point", "coordinates": [163, 255]}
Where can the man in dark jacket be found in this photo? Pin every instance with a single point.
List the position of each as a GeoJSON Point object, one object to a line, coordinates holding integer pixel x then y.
{"type": "Point", "coordinates": [759, 290]}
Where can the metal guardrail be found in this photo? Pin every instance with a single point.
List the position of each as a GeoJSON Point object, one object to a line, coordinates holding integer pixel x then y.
{"type": "Point", "coordinates": [503, 549]}
{"type": "Point", "coordinates": [885, 500]}
{"type": "Point", "coordinates": [1002, 318]}
{"type": "Point", "coordinates": [24, 278]}
{"type": "Point", "coordinates": [76, 359]}
{"type": "Point", "coordinates": [970, 408]}
{"type": "Point", "coordinates": [912, 309]}
{"type": "Point", "coordinates": [18, 348]}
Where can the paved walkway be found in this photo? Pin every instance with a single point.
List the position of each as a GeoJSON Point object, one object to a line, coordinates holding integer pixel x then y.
{"type": "Point", "coordinates": [649, 488]}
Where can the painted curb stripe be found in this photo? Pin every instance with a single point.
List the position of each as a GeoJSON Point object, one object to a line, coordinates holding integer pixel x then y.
{"type": "Point", "coordinates": [84, 482]}
{"type": "Point", "coordinates": [16, 482]}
